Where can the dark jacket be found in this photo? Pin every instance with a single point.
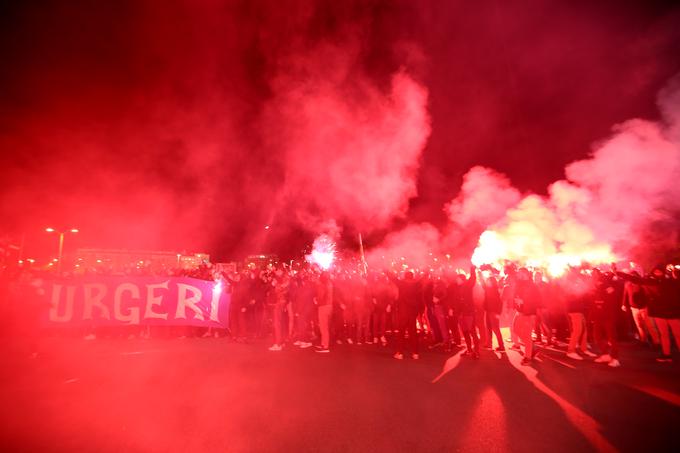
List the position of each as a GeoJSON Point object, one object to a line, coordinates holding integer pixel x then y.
{"type": "Point", "coordinates": [662, 295]}
{"type": "Point", "coordinates": [527, 297]}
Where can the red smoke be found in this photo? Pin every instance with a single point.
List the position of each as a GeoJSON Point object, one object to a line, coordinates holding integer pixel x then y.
{"type": "Point", "coordinates": [350, 150]}
{"type": "Point", "coordinates": [195, 124]}
{"type": "Point", "coordinates": [610, 205]}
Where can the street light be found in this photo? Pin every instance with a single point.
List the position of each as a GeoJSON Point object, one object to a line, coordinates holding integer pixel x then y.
{"type": "Point", "coordinates": [61, 243]}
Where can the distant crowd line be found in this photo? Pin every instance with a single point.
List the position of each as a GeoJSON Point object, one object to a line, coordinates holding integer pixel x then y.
{"type": "Point", "coordinates": [586, 310]}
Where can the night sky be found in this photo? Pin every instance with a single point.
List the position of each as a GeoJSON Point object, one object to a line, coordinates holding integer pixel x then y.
{"type": "Point", "coordinates": [159, 125]}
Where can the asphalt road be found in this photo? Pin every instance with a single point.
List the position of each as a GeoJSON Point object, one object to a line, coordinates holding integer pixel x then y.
{"type": "Point", "coordinates": [213, 395]}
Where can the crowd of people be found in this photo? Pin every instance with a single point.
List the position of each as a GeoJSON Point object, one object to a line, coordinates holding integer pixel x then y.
{"type": "Point", "coordinates": [585, 311]}
{"type": "Point", "coordinates": [588, 310]}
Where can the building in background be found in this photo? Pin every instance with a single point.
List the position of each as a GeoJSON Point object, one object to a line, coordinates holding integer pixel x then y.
{"type": "Point", "coordinates": [118, 259]}
{"type": "Point", "coordinates": [260, 261]}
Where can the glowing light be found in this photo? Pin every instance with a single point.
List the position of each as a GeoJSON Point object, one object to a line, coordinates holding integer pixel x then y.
{"type": "Point", "coordinates": [493, 248]}
{"type": "Point", "coordinates": [323, 252]}
{"type": "Point", "coordinates": [74, 230]}
{"type": "Point", "coordinates": [49, 230]}
{"type": "Point", "coordinates": [217, 289]}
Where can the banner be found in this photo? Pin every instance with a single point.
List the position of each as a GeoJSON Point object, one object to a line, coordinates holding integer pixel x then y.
{"type": "Point", "coordinates": [135, 301]}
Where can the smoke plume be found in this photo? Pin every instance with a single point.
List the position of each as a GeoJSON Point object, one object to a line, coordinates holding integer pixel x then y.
{"type": "Point", "coordinates": [350, 150]}
{"type": "Point", "coordinates": [484, 198]}
{"type": "Point", "coordinates": [609, 206]}
{"type": "Point", "coordinates": [416, 246]}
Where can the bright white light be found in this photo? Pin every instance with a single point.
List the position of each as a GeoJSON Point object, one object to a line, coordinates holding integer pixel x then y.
{"type": "Point", "coordinates": [323, 259]}
{"type": "Point", "coordinates": [490, 249]}
{"type": "Point", "coordinates": [49, 230]}
{"type": "Point", "coordinates": [74, 230]}
{"type": "Point", "coordinates": [323, 252]}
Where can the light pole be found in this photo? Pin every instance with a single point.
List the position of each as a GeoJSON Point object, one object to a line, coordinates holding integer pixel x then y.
{"type": "Point", "coordinates": [61, 243]}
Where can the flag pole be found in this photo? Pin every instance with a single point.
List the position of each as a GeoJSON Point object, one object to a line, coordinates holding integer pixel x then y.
{"type": "Point", "coordinates": [363, 257]}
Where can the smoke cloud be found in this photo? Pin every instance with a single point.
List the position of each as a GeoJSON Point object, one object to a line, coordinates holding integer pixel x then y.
{"type": "Point", "coordinates": [484, 198]}
{"type": "Point", "coordinates": [239, 127]}
{"type": "Point", "coordinates": [415, 245]}
{"type": "Point", "coordinates": [623, 202]}
{"type": "Point", "coordinates": [350, 150]}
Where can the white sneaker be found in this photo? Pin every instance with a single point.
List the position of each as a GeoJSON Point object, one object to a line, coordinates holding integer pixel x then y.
{"type": "Point", "coordinates": [275, 347]}
{"type": "Point", "coordinates": [399, 356]}
{"type": "Point", "coordinates": [589, 354]}
{"type": "Point", "coordinates": [305, 345]}
{"type": "Point", "coordinates": [415, 356]}
{"type": "Point", "coordinates": [383, 340]}
{"type": "Point", "coordinates": [573, 355]}
{"type": "Point", "coordinates": [375, 340]}
{"type": "Point", "coordinates": [614, 363]}
{"type": "Point", "coordinates": [297, 343]}
{"type": "Point", "coordinates": [349, 341]}
{"type": "Point", "coordinates": [604, 358]}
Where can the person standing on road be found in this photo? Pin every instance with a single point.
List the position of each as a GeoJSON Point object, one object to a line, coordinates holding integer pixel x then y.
{"type": "Point", "coordinates": [493, 306]}
{"type": "Point", "coordinates": [324, 300]}
{"type": "Point", "coordinates": [409, 306]}
{"type": "Point", "coordinates": [635, 300]}
{"type": "Point", "coordinates": [605, 310]}
{"type": "Point", "coordinates": [466, 310]}
{"type": "Point", "coordinates": [527, 300]}
{"type": "Point", "coordinates": [577, 294]}
{"type": "Point", "coordinates": [278, 298]}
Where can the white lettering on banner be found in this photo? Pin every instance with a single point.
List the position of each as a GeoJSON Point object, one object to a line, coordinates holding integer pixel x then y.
{"type": "Point", "coordinates": [152, 299]}
{"type": "Point", "coordinates": [132, 316]}
{"type": "Point", "coordinates": [215, 302]}
{"type": "Point", "coordinates": [94, 294]}
{"type": "Point", "coordinates": [54, 306]}
{"type": "Point", "coordinates": [183, 302]}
